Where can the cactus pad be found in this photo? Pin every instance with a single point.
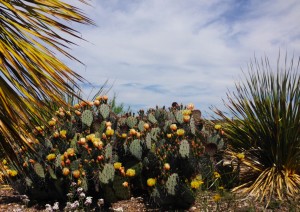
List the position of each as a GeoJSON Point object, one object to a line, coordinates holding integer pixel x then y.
{"type": "Point", "coordinates": [141, 126]}
{"type": "Point", "coordinates": [104, 110]}
{"type": "Point", "coordinates": [131, 121]}
{"type": "Point", "coordinates": [108, 151]}
{"type": "Point", "coordinates": [152, 118]}
{"type": "Point", "coordinates": [192, 126]}
{"type": "Point", "coordinates": [52, 174]}
{"type": "Point", "coordinates": [87, 117]}
{"type": "Point", "coordinates": [154, 133]}
{"type": "Point", "coordinates": [148, 141]}
{"type": "Point", "coordinates": [136, 149]}
{"type": "Point", "coordinates": [107, 174]}
{"type": "Point", "coordinates": [39, 170]}
{"type": "Point", "coordinates": [179, 116]}
{"type": "Point", "coordinates": [184, 149]}
{"type": "Point", "coordinates": [172, 183]}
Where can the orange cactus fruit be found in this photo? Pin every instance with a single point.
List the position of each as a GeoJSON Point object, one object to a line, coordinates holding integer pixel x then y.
{"type": "Point", "coordinates": [125, 184]}
{"type": "Point", "coordinates": [66, 171]}
{"type": "Point", "coordinates": [186, 118]}
{"type": "Point", "coordinates": [173, 127]}
{"type": "Point", "coordinates": [167, 166]}
{"type": "Point", "coordinates": [146, 126]}
{"type": "Point", "coordinates": [96, 102]}
{"type": "Point", "coordinates": [76, 173]}
{"type": "Point", "coordinates": [132, 132]}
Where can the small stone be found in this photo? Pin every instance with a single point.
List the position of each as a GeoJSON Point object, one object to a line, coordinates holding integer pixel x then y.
{"type": "Point", "coordinates": [193, 208]}
{"type": "Point", "coordinates": [120, 209]}
{"type": "Point", "coordinates": [139, 198]}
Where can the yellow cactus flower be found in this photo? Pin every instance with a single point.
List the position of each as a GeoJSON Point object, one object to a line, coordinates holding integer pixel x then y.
{"type": "Point", "coordinates": [180, 132]}
{"type": "Point", "coordinates": [151, 182]}
{"type": "Point", "coordinates": [124, 135]}
{"type": "Point", "coordinates": [109, 132]}
{"type": "Point", "coordinates": [130, 172]}
{"type": "Point", "coordinates": [169, 135]}
{"type": "Point", "coordinates": [12, 173]}
{"type": "Point", "coordinates": [51, 157]}
{"type": "Point", "coordinates": [90, 137]}
{"type": "Point", "coordinates": [117, 165]}
{"type": "Point", "coordinates": [70, 152]}
{"type": "Point", "coordinates": [51, 123]}
{"type": "Point", "coordinates": [98, 143]}
{"type": "Point", "coordinates": [217, 175]}
{"type": "Point", "coordinates": [240, 156]}
{"type": "Point", "coordinates": [217, 197]}
{"type": "Point", "coordinates": [218, 126]}
{"type": "Point", "coordinates": [195, 184]}
{"type": "Point", "coordinates": [4, 162]}
{"type": "Point", "coordinates": [186, 112]}
{"type": "Point", "coordinates": [55, 134]}
{"type": "Point", "coordinates": [63, 133]}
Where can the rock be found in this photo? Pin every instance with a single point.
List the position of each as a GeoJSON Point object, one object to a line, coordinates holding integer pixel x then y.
{"type": "Point", "coordinates": [120, 209]}
{"type": "Point", "coordinates": [193, 208]}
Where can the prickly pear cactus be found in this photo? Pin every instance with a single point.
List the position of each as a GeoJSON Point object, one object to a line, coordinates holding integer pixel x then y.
{"type": "Point", "coordinates": [141, 126]}
{"type": "Point", "coordinates": [87, 117]}
{"type": "Point", "coordinates": [107, 174]}
{"type": "Point", "coordinates": [96, 149]}
{"type": "Point", "coordinates": [108, 151]}
{"type": "Point", "coordinates": [172, 183]}
{"type": "Point", "coordinates": [148, 141]}
{"type": "Point", "coordinates": [131, 121]}
{"type": "Point", "coordinates": [192, 126]}
{"type": "Point", "coordinates": [154, 133]}
{"type": "Point", "coordinates": [121, 191]}
{"type": "Point", "coordinates": [152, 118]}
{"type": "Point", "coordinates": [39, 170]}
{"type": "Point", "coordinates": [104, 110]}
{"type": "Point", "coordinates": [184, 149]}
{"type": "Point", "coordinates": [179, 116]}
{"type": "Point", "coordinates": [136, 149]}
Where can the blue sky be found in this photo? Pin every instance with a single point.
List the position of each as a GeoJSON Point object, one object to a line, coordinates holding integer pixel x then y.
{"type": "Point", "coordinates": [155, 52]}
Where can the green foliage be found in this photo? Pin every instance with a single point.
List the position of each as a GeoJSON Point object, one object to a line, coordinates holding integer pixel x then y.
{"type": "Point", "coordinates": [264, 136]}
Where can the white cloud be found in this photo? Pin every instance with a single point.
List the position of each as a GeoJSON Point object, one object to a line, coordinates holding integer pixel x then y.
{"type": "Point", "coordinates": [158, 51]}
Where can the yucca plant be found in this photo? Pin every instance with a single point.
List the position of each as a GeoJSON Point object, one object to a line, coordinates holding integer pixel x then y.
{"type": "Point", "coordinates": [31, 75]}
{"type": "Point", "coordinates": [264, 135]}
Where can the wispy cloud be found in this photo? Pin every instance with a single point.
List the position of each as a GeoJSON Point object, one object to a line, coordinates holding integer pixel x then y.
{"type": "Point", "coordinates": [157, 52]}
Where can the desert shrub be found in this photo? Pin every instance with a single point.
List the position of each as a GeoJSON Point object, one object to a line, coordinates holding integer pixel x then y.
{"type": "Point", "coordinates": [264, 136]}
{"type": "Point", "coordinates": [165, 153]}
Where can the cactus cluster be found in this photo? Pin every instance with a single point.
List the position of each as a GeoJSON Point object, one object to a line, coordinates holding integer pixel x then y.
{"type": "Point", "coordinates": [158, 151]}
